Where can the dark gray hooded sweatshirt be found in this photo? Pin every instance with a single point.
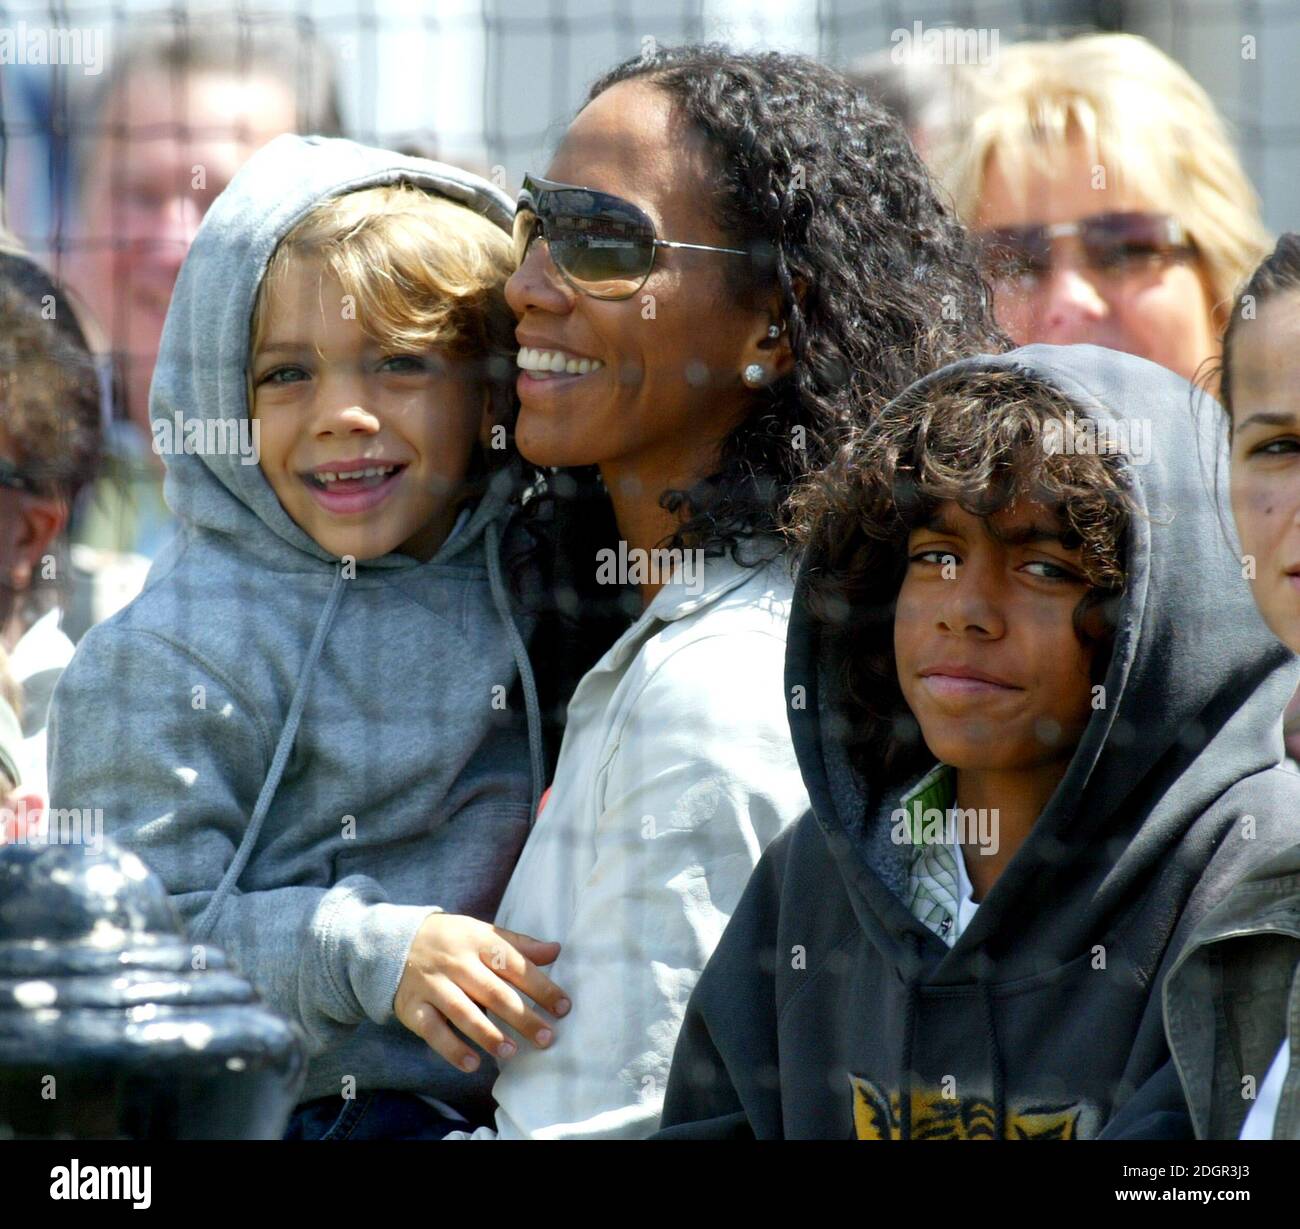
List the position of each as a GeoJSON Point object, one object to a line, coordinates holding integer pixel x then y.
{"type": "Point", "coordinates": [829, 1011]}
{"type": "Point", "coordinates": [1233, 998]}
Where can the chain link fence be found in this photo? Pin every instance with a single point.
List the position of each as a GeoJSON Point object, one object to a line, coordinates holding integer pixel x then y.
{"type": "Point", "coordinates": [490, 84]}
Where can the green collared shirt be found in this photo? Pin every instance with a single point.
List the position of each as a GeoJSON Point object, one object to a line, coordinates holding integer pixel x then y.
{"type": "Point", "coordinates": [935, 879]}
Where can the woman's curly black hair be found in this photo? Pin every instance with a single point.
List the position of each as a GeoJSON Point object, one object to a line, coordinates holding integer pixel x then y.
{"type": "Point", "coordinates": [879, 281]}
{"type": "Point", "coordinates": [979, 438]}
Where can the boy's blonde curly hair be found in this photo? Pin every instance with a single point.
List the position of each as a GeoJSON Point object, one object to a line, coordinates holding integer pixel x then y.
{"type": "Point", "coordinates": [424, 272]}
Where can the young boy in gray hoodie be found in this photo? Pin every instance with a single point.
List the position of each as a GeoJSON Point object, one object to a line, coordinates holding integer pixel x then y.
{"type": "Point", "coordinates": [306, 723]}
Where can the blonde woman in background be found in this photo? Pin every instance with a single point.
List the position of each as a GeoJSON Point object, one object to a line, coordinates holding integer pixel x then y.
{"type": "Point", "coordinates": [1113, 207]}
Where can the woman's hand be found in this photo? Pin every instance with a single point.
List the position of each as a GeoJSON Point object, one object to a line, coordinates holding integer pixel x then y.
{"type": "Point", "coordinates": [456, 962]}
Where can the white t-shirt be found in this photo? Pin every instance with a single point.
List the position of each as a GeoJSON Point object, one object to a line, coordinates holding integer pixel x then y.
{"type": "Point", "coordinates": [1260, 1121]}
{"type": "Point", "coordinates": [36, 663]}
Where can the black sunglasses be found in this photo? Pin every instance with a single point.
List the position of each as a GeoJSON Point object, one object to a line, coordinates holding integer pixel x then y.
{"type": "Point", "coordinates": [602, 245]}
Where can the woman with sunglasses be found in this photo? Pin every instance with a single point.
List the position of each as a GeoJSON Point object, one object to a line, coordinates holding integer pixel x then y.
{"type": "Point", "coordinates": [1112, 207]}
{"type": "Point", "coordinates": [730, 260]}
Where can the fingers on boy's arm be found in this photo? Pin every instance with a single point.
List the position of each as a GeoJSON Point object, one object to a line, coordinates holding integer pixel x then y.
{"type": "Point", "coordinates": [429, 1023]}
{"type": "Point", "coordinates": [539, 951]}
{"type": "Point", "coordinates": [500, 998]}
{"type": "Point", "coordinates": [507, 962]}
{"type": "Point", "coordinates": [459, 1003]}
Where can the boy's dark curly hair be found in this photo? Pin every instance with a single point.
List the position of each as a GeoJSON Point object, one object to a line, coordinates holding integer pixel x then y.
{"type": "Point", "coordinates": [879, 281]}
{"type": "Point", "coordinates": [49, 386]}
{"type": "Point", "coordinates": [975, 437]}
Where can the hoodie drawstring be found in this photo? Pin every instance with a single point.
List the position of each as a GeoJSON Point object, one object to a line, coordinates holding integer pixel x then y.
{"type": "Point", "coordinates": [909, 1024]}
{"type": "Point", "coordinates": [532, 708]}
{"type": "Point", "coordinates": [995, 1063]}
{"type": "Point", "coordinates": [279, 760]}
{"type": "Point", "coordinates": [912, 995]}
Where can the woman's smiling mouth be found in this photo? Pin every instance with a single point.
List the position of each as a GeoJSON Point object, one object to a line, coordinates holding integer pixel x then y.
{"type": "Point", "coordinates": [539, 364]}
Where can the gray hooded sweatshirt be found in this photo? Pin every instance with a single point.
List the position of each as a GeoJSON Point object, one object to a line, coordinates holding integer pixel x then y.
{"type": "Point", "coordinates": [313, 756]}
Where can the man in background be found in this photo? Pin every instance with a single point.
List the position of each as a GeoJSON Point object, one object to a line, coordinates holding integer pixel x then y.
{"type": "Point", "coordinates": [162, 134]}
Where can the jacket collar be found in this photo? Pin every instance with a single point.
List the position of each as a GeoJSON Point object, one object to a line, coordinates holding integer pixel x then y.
{"type": "Point", "coordinates": [691, 589]}
{"type": "Point", "coordinates": [688, 592]}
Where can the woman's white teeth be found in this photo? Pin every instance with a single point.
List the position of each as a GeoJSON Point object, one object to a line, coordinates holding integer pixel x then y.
{"type": "Point", "coordinates": [374, 471]}
{"type": "Point", "coordinates": [555, 362]}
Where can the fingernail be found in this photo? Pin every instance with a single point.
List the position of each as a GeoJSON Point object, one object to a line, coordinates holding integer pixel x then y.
{"type": "Point", "coordinates": [544, 1036]}
{"type": "Point", "coordinates": [505, 1049]}
{"type": "Point", "coordinates": [469, 1063]}
{"type": "Point", "coordinates": [562, 1007]}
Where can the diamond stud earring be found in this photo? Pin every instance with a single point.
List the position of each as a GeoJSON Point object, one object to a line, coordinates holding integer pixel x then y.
{"type": "Point", "coordinates": [753, 375]}
{"type": "Point", "coordinates": [774, 331]}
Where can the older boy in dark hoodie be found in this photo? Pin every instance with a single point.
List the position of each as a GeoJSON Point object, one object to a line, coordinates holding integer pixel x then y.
{"type": "Point", "coordinates": [1015, 571]}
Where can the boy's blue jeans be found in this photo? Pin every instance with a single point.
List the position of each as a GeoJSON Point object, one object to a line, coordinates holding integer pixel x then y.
{"type": "Point", "coordinates": [378, 1114]}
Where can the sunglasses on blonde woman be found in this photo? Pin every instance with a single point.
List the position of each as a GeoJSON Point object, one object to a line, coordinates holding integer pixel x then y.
{"type": "Point", "coordinates": [1115, 245]}
{"type": "Point", "coordinates": [602, 245]}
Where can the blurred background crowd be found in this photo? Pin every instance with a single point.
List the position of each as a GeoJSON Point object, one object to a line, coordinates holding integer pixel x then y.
{"type": "Point", "coordinates": [1125, 163]}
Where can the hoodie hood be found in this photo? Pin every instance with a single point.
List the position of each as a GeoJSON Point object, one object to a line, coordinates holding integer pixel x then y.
{"type": "Point", "coordinates": [201, 376]}
{"type": "Point", "coordinates": [1188, 711]}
